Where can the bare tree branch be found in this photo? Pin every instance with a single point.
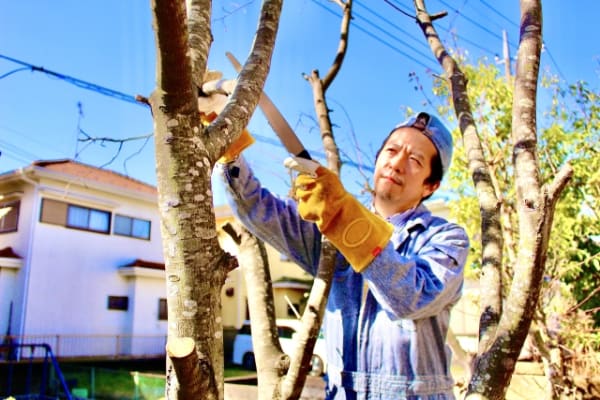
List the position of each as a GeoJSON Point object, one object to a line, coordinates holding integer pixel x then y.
{"type": "Point", "coordinates": [343, 45]}
{"type": "Point", "coordinates": [200, 37]}
{"type": "Point", "coordinates": [244, 99]}
{"type": "Point", "coordinates": [491, 229]}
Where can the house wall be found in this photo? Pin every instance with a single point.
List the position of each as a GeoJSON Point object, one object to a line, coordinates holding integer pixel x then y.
{"type": "Point", "coordinates": [233, 300]}
{"type": "Point", "coordinates": [145, 328]}
{"type": "Point", "coordinates": [8, 292]}
{"type": "Point", "coordinates": [13, 281]}
{"type": "Point", "coordinates": [74, 271]}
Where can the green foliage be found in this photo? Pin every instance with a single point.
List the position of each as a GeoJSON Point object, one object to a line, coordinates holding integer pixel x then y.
{"type": "Point", "coordinates": [568, 132]}
{"type": "Point", "coordinates": [573, 136]}
{"type": "Point", "coordinates": [491, 102]}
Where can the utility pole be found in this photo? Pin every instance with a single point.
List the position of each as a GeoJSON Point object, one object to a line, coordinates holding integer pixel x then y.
{"type": "Point", "coordinates": [506, 55]}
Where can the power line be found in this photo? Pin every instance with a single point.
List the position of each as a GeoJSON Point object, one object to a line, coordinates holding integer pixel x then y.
{"type": "Point", "coordinates": [453, 20]}
{"type": "Point", "coordinates": [74, 81]}
{"type": "Point", "coordinates": [16, 152]}
{"type": "Point", "coordinates": [395, 26]}
{"type": "Point", "coordinates": [485, 3]}
{"type": "Point", "coordinates": [31, 139]}
{"type": "Point", "coordinates": [547, 50]}
{"type": "Point", "coordinates": [513, 24]}
{"type": "Point", "coordinates": [514, 45]}
{"type": "Point", "coordinates": [477, 24]}
{"type": "Point", "coordinates": [373, 36]}
{"type": "Point", "coordinates": [385, 32]}
{"type": "Point", "coordinates": [397, 7]}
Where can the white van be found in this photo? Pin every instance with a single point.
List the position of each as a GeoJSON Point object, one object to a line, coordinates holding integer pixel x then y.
{"type": "Point", "coordinates": [243, 353]}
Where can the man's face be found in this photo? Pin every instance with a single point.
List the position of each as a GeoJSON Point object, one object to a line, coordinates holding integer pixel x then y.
{"type": "Point", "coordinates": [401, 169]}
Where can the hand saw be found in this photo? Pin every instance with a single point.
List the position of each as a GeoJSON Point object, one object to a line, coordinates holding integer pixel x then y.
{"type": "Point", "coordinates": [276, 120]}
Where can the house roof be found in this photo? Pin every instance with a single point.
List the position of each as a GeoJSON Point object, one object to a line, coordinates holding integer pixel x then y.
{"type": "Point", "coordinates": [292, 283]}
{"type": "Point", "coordinates": [8, 252]}
{"type": "Point", "coordinates": [95, 174]}
{"type": "Point", "coordinates": [145, 264]}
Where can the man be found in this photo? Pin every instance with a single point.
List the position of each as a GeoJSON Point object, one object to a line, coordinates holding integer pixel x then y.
{"type": "Point", "coordinates": [399, 271]}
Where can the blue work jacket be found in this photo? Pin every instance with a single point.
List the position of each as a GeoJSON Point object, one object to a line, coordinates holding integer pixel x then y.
{"type": "Point", "coordinates": [385, 328]}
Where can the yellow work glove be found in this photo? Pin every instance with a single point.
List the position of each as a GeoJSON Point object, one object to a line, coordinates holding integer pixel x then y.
{"type": "Point", "coordinates": [211, 105]}
{"type": "Point", "coordinates": [356, 232]}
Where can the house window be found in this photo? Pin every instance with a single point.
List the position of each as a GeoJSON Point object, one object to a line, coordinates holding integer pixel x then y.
{"type": "Point", "coordinates": [118, 303]}
{"type": "Point", "coordinates": [9, 216]}
{"type": "Point", "coordinates": [134, 227]}
{"type": "Point", "coordinates": [73, 216]}
{"type": "Point", "coordinates": [88, 218]}
{"type": "Point", "coordinates": [162, 309]}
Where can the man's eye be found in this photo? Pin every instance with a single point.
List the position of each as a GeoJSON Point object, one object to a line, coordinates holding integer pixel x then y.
{"type": "Point", "coordinates": [417, 160]}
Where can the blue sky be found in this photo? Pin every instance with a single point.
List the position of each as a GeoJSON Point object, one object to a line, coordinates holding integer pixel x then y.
{"type": "Point", "coordinates": [111, 44]}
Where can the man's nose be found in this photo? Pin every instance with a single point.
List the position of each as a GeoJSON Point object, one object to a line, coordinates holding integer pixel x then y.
{"type": "Point", "coordinates": [398, 161]}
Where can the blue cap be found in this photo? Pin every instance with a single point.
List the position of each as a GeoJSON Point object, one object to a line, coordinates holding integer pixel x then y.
{"type": "Point", "coordinates": [435, 130]}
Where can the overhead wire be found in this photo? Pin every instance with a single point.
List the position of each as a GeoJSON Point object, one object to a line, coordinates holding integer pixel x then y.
{"type": "Point", "coordinates": [453, 20]}
{"type": "Point", "coordinates": [511, 22]}
{"type": "Point", "coordinates": [131, 99]}
{"type": "Point", "coordinates": [545, 49]}
{"type": "Point", "coordinates": [419, 41]}
{"type": "Point", "coordinates": [399, 7]}
{"type": "Point", "coordinates": [514, 45]}
{"type": "Point", "coordinates": [21, 155]}
{"type": "Point", "coordinates": [16, 153]}
{"type": "Point", "coordinates": [387, 33]}
{"type": "Point", "coordinates": [74, 81]}
{"type": "Point", "coordinates": [375, 37]}
{"type": "Point", "coordinates": [475, 23]}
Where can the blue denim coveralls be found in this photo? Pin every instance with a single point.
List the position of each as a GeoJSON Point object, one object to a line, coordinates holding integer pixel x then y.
{"type": "Point", "coordinates": [389, 344]}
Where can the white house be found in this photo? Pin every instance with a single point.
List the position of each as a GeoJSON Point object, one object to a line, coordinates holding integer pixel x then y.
{"type": "Point", "coordinates": [81, 264]}
{"type": "Point", "coordinates": [80, 259]}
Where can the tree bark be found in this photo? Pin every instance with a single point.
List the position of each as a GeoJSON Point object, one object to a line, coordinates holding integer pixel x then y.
{"type": "Point", "coordinates": [489, 206]}
{"type": "Point", "coordinates": [185, 153]}
{"type": "Point", "coordinates": [182, 353]}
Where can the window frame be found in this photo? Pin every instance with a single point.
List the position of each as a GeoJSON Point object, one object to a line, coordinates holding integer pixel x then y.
{"type": "Point", "coordinates": [163, 310]}
{"type": "Point", "coordinates": [117, 303]}
{"type": "Point", "coordinates": [57, 212]}
{"type": "Point", "coordinates": [16, 204]}
{"type": "Point", "coordinates": [131, 229]}
{"type": "Point", "coordinates": [90, 212]}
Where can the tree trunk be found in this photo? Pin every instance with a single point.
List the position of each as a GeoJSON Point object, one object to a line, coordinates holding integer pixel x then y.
{"type": "Point", "coordinates": [489, 205]}
{"type": "Point", "coordinates": [503, 331]}
{"type": "Point", "coordinates": [283, 376]}
{"type": "Point", "coordinates": [195, 265]}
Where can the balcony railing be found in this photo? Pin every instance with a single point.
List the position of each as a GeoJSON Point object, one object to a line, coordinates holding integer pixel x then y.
{"type": "Point", "coordinates": [85, 346]}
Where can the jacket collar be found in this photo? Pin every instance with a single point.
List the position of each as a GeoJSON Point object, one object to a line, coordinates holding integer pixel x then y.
{"type": "Point", "coordinates": [408, 219]}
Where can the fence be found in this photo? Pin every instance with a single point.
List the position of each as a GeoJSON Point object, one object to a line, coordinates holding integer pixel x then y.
{"type": "Point", "coordinates": [87, 346]}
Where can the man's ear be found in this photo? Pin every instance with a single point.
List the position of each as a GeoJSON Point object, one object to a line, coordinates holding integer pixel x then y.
{"type": "Point", "coordinates": [429, 188]}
